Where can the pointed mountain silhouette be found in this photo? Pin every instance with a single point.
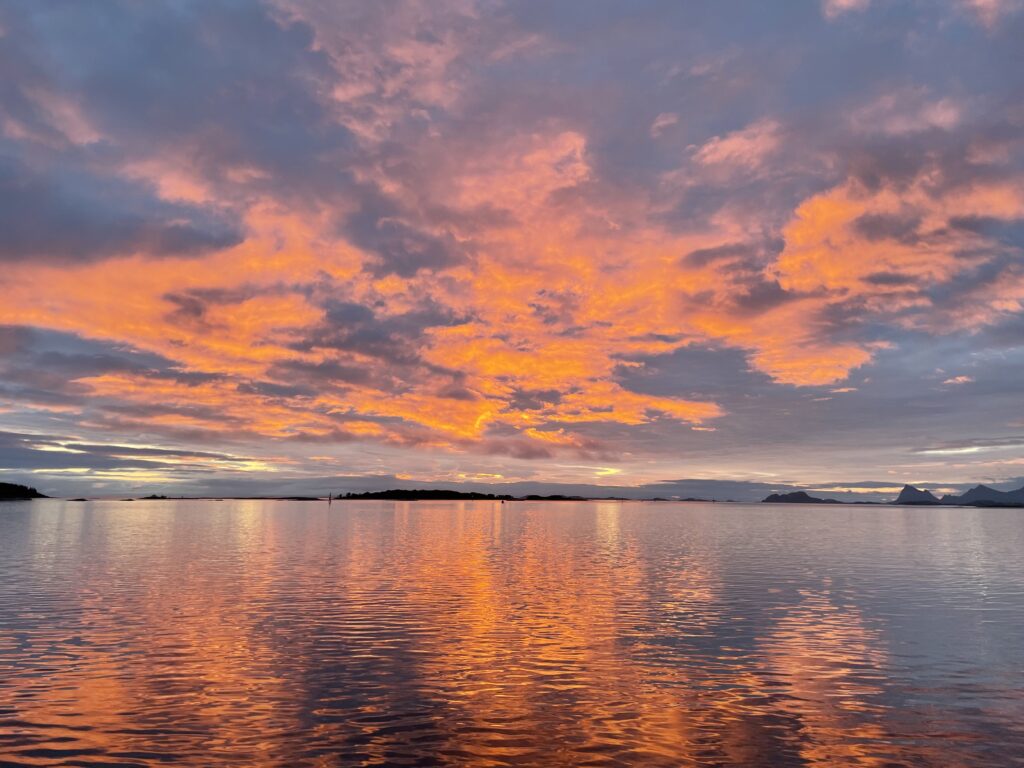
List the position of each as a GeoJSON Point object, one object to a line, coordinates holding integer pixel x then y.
{"type": "Point", "coordinates": [912, 495]}
{"type": "Point", "coordinates": [982, 495]}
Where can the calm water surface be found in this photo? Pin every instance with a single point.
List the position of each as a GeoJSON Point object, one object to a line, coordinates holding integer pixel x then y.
{"type": "Point", "coordinates": [376, 633]}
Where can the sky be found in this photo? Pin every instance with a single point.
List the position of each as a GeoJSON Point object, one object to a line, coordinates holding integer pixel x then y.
{"type": "Point", "coordinates": [700, 248]}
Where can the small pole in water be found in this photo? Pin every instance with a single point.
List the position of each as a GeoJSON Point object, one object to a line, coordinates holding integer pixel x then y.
{"type": "Point", "coordinates": [328, 499]}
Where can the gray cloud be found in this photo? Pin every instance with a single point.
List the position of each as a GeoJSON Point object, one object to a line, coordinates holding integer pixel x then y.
{"type": "Point", "coordinates": [21, 451]}
{"type": "Point", "coordinates": [216, 88]}
{"type": "Point", "coordinates": [36, 363]}
{"type": "Point", "coordinates": [66, 216]}
{"type": "Point", "coordinates": [227, 83]}
{"type": "Point", "coordinates": [356, 328]}
{"type": "Point", "coordinates": [974, 444]}
{"type": "Point", "coordinates": [888, 227]}
{"type": "Point", "coordinates": [400, 247]}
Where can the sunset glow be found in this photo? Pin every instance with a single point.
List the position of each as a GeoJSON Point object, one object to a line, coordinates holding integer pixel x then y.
{"type": "Point", "coordinates": [485, 242]}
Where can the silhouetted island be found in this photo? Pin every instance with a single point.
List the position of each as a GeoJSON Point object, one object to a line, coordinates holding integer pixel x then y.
{"type": "Point", "coordinates": [425, 494]}
{"type": "Point", "coordinates": [912, 495]}
{"type": "Point", "coordinates": [434, 494]}
{"type": "Point", "coordinates": [13, 492]}
{"type": "Point", "coordinates": [559, 497]}
{"type": "Point", "coordinates": [978, 496]}
{"type": "Point", "coordinates": [983, 496]}
{"type": "Point", "coordinates": [796, 497]}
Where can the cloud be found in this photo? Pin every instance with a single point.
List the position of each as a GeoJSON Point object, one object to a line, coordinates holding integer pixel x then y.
{"type": "Point", "coordinates": [662, 122]}
{"type": "Point", "coordinates": [54, 453]}
{"type": "Point", "coordinates": [991, 12]}
{"type": "Point", "coordinates": [906, 111]}
{"type": "Point", "coordinates": [886, 226]}
{"type": "Point", "coordinates": [835, 8]}
{"type": "Point", "coordinates": [895, 249]}
{"type": "Point", "coordinates": [975, 445]}
{"type": "Point", "coordinates": [744, 149]}
{"type": "Point", "coordinates": [398, 245]}
{"type": "Point", "coordinates": [67, 216]}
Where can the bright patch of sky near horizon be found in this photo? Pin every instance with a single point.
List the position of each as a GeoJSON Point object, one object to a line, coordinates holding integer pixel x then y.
{"type": "Point", "coordinates": [510, 241]}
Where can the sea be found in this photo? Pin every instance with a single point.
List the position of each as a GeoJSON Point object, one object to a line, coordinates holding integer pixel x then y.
{"type": "Point", "coordinates": [605, 633]}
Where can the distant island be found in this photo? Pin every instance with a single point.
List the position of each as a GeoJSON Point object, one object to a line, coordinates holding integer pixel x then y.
{"type": "Point", "coordinates": [425, 494]}
{"type": "Point", "coordinates": [796, 497]}
{"type": "Point", "coordinates": [12, 492]}
{"type": "Point", "coordinates": [912, 495]}
{"type": "Point", "coordinates": [978, 496]}
{"type": "Point", "coordinates": [434, 494]}
{"type": "Point", "coordinates": [561, 497]}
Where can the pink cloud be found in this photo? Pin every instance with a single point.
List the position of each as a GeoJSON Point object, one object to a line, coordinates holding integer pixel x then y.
{"type": "Point", "coordinates": [746, 148]}
{"type": "Point", "coordinates": [836, 8]}
{"type": "Point", "coordinates": [990, 12]}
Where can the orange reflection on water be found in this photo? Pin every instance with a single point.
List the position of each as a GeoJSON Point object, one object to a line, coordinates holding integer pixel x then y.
{"type": "Point", "coordinates": [260, 633]}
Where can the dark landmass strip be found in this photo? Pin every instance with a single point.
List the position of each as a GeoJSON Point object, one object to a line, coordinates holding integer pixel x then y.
{"type": "Point", "coordinates": [796, 497]}
{"type": "Point", "coordinates": [155, 497]}
{"type": "Point", "coordinates": [427, 494]}
{"type": "Point", "coordinates": [12, 492]}
{"type": "Point", "coordinates": [431, 494]}
{"type": "Point", "coordinates": [557, 497]}
{"type": "Point", "coordinates": [979, 496]}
